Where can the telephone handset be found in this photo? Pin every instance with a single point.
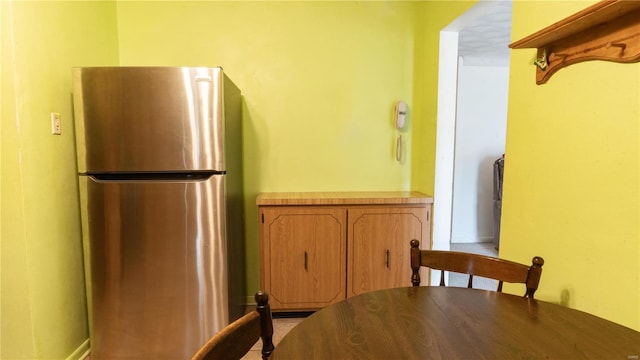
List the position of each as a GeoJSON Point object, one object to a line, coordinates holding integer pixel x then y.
{"type": "Point", "coordinates": [401, 114]}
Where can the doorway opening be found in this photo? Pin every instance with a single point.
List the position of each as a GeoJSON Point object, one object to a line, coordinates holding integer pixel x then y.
{"type": "Point", "coordinates": [471, 125]}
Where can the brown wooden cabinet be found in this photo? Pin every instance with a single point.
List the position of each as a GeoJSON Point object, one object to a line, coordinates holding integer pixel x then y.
{"type": "Point", "coordinates": [303, 253]}
{"type": "Point", "coordinates": [378, 246]}
{"type": "Point", "coordinates": [319, 248]}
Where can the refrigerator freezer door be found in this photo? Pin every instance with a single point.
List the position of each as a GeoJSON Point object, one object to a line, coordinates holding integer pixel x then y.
{"type": "Point", "coordinates": [159, 269]}
{"type": "Point", "coordinates": [151, 119]}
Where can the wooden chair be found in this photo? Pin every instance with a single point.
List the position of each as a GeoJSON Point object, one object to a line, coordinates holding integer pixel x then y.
{"type": "Point", "coordinates": [237, 338]}
{"type": "Point", "coordinates": [478, 265]}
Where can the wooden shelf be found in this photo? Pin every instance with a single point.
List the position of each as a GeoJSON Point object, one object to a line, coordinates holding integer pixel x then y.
{"type": "Point", "coordinates": [608, 30]}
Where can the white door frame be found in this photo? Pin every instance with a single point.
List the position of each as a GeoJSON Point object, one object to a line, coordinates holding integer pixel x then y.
{"type": "Point", "coordinates": [445, 139]}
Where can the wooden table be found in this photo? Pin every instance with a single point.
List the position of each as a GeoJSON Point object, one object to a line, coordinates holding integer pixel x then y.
{"type": "Point", "coordinates": [454, 323]}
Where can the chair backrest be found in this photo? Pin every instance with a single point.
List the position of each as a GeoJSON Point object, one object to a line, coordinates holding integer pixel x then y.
{"type": "Point", "coordinates": [237, 338]}
{"type": "Point", "coordinates": [476, 265]}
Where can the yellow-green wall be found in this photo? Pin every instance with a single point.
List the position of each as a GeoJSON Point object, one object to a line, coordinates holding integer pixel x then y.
{"type": "Point", "coordinates": [43, 302]}
{"type": "Point", "coordinates": [319, 80]}
{"type": "Point", "coordinates": [571, 175]}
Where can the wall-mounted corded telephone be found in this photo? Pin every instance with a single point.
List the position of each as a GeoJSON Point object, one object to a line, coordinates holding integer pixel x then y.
{"type": "Point", "coordinates": [400, 111]}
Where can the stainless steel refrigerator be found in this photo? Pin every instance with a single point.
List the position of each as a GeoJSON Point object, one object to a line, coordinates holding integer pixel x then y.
{"type": "Point", "coordinates": [160, 172]}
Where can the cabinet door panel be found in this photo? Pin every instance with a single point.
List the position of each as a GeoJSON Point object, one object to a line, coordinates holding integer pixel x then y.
{"type": "Point", "coordinates": [305, 261]}
{"type": "Point", "coordinates": [379, 246]}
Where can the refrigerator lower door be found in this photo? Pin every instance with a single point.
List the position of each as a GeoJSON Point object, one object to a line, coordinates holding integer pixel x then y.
{"type": "Point", "coordinates": [158, 266]}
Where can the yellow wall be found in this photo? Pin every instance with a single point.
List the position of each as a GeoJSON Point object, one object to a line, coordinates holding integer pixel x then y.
{"type": "Point", "coordinates": [319, 80]}
{"type": "Point", "coordinates": [43, 303]}
{"type": "Point", "coordinates": [571, 175]}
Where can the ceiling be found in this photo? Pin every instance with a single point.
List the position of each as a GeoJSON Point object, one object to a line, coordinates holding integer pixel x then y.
{"type": "Point", "coordinates": [484, 39]}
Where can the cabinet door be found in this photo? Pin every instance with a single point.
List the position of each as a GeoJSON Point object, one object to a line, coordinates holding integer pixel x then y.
{"type": "Point", "coordinates": [379, 246]}
{"type": "Point", "coordinates": [303, 253]}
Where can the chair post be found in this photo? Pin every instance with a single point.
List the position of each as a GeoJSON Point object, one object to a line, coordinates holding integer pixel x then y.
{"type": "Point", "coordinates": [533, 279]}
{"type": "Point", "coordinates": [415, 262]}
{"type": "Point", "coordinates": [266, 323]}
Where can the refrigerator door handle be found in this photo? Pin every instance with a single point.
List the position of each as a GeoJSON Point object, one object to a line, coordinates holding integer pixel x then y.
{"type": "Point", "coordinates": [154, 177]}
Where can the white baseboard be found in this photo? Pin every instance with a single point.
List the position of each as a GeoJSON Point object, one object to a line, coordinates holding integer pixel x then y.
{"type": "Point", "coordinates": [81, 352]}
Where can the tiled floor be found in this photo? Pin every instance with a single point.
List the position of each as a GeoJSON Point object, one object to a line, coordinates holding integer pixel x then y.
{"type": "Point", "coordinates": [484, 248]}
{"type": "Point", "coordinates": [460, 280]}
{"type": "Point", "coordinates": [281, 326]}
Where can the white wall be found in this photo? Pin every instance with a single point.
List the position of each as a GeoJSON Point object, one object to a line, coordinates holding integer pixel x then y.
{"type": "Point", "coordinates": [480, 137]}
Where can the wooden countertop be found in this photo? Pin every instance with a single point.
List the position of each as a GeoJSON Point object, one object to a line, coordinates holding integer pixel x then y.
{"type": "Point", "coordinates": [343, 198]}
